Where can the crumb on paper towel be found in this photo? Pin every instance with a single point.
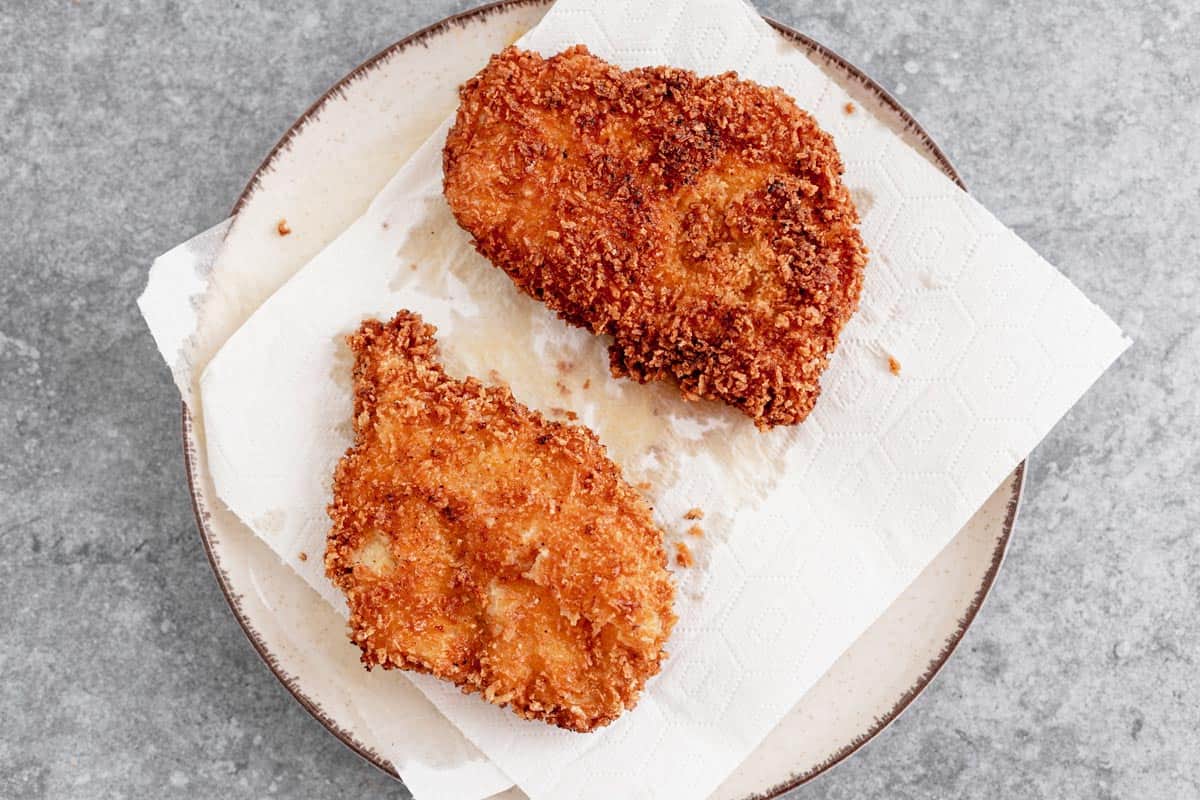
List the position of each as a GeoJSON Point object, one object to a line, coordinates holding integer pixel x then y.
{"type": "Point", "coordinates": [848, 108]}
{"type": "Point", "coordinates": [893, 365]}
{"type": "Point", "coordinates": [645, 486]}
{"type": "Point", "coordinates": [683, 555]}
{"type": "Point", "coordinates": [282, 227]}
{"type": "Point", "coordinates": [303, 556]}
{"type": "Point", "coordinates": [587, 384]}
{"type": "Point", "coordinates": [695, 530]}
{"type": "Point", "coordinates": [695, 513]}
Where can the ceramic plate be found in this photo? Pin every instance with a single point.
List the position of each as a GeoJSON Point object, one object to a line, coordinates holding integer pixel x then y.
{"type": "Point", "coordinates": [320, 177]}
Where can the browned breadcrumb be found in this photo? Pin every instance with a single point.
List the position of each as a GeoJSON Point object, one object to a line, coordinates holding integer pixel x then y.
{"type": "Point", "coordinates": [893, 365]}
{"type": "Point", "coordinates": [477, 541]}
{"type": "Point", "coordinates": [282, 227]}
{"type": "Point", "coordinates": [848, 108]}
{"type": "Point", "coordinates": [645, 486]}
{"type": "Point", "coordinates": [695, 513]}
{"type": "Point", "coordinates": [683, 555]}
{"type": "Point", "coordinates": [303, 556]}
{"type": "Point", "coordinates": [696, 530]}
{"type": "Point", "coordinates": [700, 222]}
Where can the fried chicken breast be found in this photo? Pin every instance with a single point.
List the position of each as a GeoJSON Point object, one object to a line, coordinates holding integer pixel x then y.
{"type": "Point", "coordinates": [479, 542]}
{"type": "Point", "coordinates": [700, 222]}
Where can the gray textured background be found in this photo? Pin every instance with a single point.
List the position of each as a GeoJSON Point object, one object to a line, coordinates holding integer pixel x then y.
{"type": "Point", "coordinates": [126, 127]}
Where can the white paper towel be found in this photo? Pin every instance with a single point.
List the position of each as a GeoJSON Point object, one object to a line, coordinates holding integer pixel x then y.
{"type": "Point", "coordinates": [178, 282]}
{"type": "Point", "coordinates": [812, 531]}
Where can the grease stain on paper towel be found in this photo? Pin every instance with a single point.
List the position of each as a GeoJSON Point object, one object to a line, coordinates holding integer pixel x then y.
{"type": "Point", "coordinates": [864, 200]}
{"type": "Point", "coordinates": [486, 326]}
{"type": "Point", "coordinates": [269, 523]}
{"type": "Point", "coordinates": [342, 371]}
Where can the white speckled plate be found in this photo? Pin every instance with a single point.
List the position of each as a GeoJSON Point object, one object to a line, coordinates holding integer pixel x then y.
{"type": "Point", "coordinates": [320, 177]}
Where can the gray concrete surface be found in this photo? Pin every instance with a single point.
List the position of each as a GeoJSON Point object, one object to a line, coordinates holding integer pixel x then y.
{"type": "Point", "coordinates": [126, 127]}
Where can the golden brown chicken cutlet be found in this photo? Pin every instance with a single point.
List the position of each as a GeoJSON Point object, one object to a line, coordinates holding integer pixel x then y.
{"type": "Point", "coordinates": [479, 542]}
{"type": "Point", "coordinates": [700, 222]}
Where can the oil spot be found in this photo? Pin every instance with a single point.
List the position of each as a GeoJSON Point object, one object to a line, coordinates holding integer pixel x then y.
{"type": "Point", "coordinates": [344, 430]}
{"type": "Point", "coordinates": [269, 523]}
{"type": "Point", "coordinates": [342, 371]}
{"type": "Point", "coordinates": [864, 200]}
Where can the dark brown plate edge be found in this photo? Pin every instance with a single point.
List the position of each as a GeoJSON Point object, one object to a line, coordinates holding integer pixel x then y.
{"type": "Point", "coordinates": [233, 599]}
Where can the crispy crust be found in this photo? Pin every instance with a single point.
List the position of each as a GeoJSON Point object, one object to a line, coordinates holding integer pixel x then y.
{"type": "Point", "coordinates": [700, 222]}
{"type": "Point", "coordinates": [477, 541]}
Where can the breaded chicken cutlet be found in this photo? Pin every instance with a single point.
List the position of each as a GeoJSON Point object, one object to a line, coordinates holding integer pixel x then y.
{"type": "Point", "coordinates": [700, 222]}
{"type": "Point", "coordinates": [479, 542]}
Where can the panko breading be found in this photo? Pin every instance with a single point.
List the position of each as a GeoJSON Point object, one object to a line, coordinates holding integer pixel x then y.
{"type": "Point", "coordinates": [700, 222]}
{"type": "Point", "coordinates": [482, 543]}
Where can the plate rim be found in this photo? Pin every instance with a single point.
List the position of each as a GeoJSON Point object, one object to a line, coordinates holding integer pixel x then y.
{"type": "Point", "coordinates": [232, 598]}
